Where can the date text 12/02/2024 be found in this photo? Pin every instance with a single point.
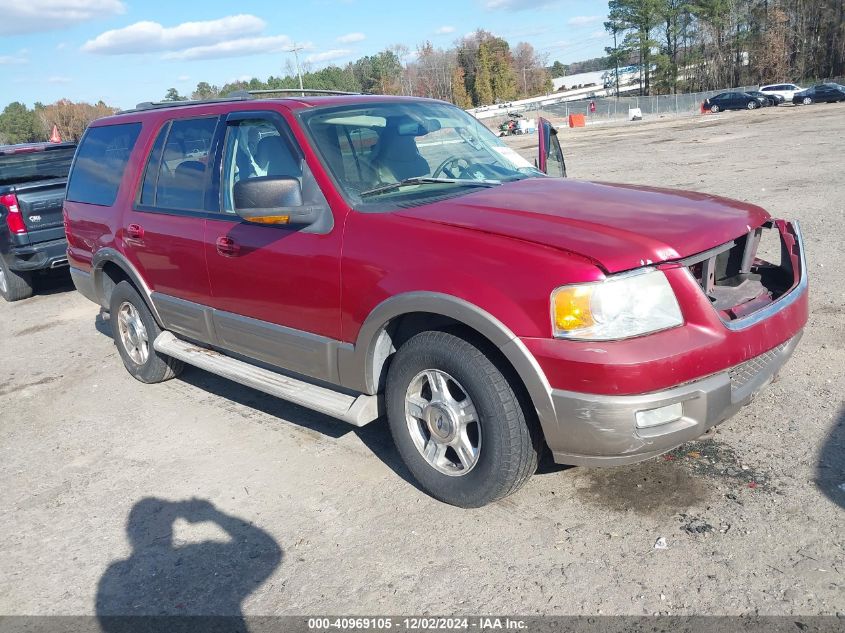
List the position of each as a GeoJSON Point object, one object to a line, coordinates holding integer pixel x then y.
{"type": "Point", "coordinates": [415, 624]}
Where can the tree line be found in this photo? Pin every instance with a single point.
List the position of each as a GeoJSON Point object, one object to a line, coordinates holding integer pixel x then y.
{"type": "Point", "coordinates": [20, 124]}
{"type": "Point", "coordinates": [480, 69]}
{"type": "Point", "coordinates": [695, 45]}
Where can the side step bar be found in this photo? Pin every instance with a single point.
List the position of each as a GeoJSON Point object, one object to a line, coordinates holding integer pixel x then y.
{"type": "Point", "coordinates": [358, 410]}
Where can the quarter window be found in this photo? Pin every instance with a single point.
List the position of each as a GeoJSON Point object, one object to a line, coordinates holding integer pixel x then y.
{"type": "Point", "coordinates": [100, 162]}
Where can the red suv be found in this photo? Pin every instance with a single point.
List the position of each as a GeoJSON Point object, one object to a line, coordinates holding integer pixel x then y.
{"type": "Point", "coordinates": [367, 255]}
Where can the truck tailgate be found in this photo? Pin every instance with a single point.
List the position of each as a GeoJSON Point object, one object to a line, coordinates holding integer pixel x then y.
{"type": "Point", "coordinates": [41, 208]}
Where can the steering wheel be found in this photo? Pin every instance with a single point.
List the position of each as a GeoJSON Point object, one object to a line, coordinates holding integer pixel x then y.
{"type": "Point", "coordinates": [449, 164]}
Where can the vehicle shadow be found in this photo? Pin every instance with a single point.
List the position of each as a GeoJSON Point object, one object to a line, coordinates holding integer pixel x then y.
{"type": "Point", "coordinates": [166, 577]}
{"type": "Point", "coordinates": [53, 282]}
{"type": "Point", "coordinates": [375, 436]}
{"type": "Point", "coordinates": [830, 471]}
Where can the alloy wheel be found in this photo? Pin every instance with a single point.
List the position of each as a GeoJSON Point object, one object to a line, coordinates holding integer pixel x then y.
{"type": "Point", "coordinates": [443, 422]}
{"type": "Point", "coordinates": [133, 333]}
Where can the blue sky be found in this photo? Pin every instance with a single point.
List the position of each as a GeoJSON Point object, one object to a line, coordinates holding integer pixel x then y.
{"type": "Point", "coordinates": [126, 51]}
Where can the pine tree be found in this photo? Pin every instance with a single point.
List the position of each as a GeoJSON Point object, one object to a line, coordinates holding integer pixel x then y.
{"type": "Point", "coordinates": [460, 96]}
{"type": "Point", "coordinates": [483, 87]}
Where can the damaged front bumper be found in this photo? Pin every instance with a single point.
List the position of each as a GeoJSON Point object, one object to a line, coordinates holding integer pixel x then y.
{"type": "Point", "coordinates": [608, 429]}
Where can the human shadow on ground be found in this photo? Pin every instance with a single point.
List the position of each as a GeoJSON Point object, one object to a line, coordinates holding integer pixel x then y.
{"type": "Point", "coordinates": [830, 471]}
{"type": "Point", "coordinates": [162, 577]}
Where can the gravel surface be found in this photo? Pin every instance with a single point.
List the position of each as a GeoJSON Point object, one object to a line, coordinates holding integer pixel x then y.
{"type": "Point", "coordinates": [241, 500]}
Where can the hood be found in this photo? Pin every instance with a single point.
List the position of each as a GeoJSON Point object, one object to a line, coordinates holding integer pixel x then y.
{"type": "Point", "coordinates": [619, 227]}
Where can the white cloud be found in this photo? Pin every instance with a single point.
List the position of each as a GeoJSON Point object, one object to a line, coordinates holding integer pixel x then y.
{"type": "Point", "coordinates": [21, 57]}
{"type": "Point", "coordinates": [517, 5]}
{"type": "Point", "coordinates": [183, 78]}
{"type": "Point", "coordinates": [445, 30]}
{"type": "Point", "coordinates": [584, 20]}
{"type": "Point", "coordinates": [145, 37]}
{"type": "Point", "coordinates": [328, 56]}
{"type": "Point", "coordinates": [351, 38]}
{"type": "Point", "coordinates": [32, 16]}
{"type": "Point", "coordinates": [56, 79]}
{"type": "Point", "coordinates": [241, 47]}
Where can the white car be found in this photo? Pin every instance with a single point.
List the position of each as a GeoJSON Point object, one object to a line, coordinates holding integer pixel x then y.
{"type": "Point", "coordinates": [784, 90]}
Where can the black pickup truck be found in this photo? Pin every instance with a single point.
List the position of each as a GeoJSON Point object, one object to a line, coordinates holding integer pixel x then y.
{"type": "Point", "coordinates": [32, 235]}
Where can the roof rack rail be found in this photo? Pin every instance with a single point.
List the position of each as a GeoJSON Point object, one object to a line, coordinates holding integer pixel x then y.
{"type": "Point", "coordinates": [290, 91]}
{"type": "Point", "coordinates": [237, 95]}
{"type": "Point", "coordinates": [154, 105]}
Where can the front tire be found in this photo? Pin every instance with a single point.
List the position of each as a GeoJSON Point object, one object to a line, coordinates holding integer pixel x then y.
{"type": "Point", "coordinates": [807, 101]}
{"type": "Point", "coordinates": [457, 422]}
{"type": "Point", "coordinates": [134, 329]}
{"type": "Point", "coordinates": [714, 109]}
{"type": "Point", "coordinates": [14, 285]}
{"type": "Point", "coordinates": [753, 105]}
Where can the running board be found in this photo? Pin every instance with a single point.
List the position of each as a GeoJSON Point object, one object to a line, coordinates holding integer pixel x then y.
{"type": "Point", "coordinates": [358, 410]}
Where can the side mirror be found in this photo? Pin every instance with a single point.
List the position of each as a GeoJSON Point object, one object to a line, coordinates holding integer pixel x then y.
{"type": "Point", "coordinates": [550, 159]}
{"type": "Point", "coordinates": [273, 200]}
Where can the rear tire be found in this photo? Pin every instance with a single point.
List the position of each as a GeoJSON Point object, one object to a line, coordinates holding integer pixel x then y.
{"type": "Point", "coordinates": [14, 285]}
{"type": "Point", "coordinates": [134, 329]}
{"type": "Point", "coordinates": [457, 422]}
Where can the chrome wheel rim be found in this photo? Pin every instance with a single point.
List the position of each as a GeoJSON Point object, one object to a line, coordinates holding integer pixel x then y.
{"type": "Point", "coordinates": [807, 101]}
{"type": "Point", "coordinates": [133, 334]}
{"type": "Point", "coordinates": [4, 287]}
{"type": "Point", "coordinates": [443, 422]}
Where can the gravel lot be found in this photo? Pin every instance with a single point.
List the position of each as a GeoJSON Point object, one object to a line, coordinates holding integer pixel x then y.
{"type": "Point", "coordinates": [310, 516]}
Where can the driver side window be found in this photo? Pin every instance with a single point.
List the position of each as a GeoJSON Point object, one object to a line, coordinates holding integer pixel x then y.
{"type": "Point", "coordinates": [256, 148]}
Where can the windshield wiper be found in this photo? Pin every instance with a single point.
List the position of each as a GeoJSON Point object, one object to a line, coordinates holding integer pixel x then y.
{"type": "Point", "coordinates": [427, 180]}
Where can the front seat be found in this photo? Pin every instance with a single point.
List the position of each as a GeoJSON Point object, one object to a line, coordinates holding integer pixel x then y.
{"type": "Point", "coordinates": [398, 156]}
{"type": "Point", "coordinates": [274, 156]}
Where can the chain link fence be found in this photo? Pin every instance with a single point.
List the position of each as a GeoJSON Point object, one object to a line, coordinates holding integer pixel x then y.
{"type": "Point", "coordinates": [613, 109]}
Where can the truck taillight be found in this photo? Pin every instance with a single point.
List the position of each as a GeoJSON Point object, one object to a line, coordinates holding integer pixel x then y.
{"type": "Point", "coordinates": [13, 218]}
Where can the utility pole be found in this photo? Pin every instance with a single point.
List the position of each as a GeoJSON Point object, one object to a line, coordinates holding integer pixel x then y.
{"type": "Point", "coordinates": [616, 59]}
{"type": "Point", "coordinates": [295, 50]}
{"type": "Point", "coordinates": [524, 81]}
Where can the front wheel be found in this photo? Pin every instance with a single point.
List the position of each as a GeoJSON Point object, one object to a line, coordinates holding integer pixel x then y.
{"type": "Point", "coordinates": [807, 101]}
{"type": "Point", "coordinates": [753, 105]}
{"type": "Point", "coordinates": [457, 421]}
{"type": "Point", "coordinates": [714, 109]}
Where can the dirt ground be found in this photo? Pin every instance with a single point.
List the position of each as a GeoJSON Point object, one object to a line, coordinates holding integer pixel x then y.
{"type": "Point", "coordinates": [200, 496]}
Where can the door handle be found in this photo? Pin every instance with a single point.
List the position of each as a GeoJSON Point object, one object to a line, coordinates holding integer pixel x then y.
{"type": "Point", "coordinates": [227, 247]}
{"type": "Point", "coordinates": [135, 232]}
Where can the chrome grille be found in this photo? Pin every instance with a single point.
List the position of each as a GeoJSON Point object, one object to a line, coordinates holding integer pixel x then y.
{"type": "Point", "coordinates": [745, 372]}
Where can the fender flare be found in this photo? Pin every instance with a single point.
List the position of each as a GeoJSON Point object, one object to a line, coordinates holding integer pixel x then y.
{"type": "Point", "coordinates": [110, 255]}
{"type": "Point", "coordinates": [356, 365]}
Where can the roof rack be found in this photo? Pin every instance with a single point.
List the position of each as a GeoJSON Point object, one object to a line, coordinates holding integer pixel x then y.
{"type": "Point", "coordinates": [154, 105]}
{"type": "Point", "coordinates": [237, 95]}
{"type": "Point", "coordinates": [292, 91]}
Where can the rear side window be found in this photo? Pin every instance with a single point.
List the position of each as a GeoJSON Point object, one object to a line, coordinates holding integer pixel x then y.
{"type": "Point", "coordinates": [100, 163]}
{"type": "Point", "coordinates": [177, 170]}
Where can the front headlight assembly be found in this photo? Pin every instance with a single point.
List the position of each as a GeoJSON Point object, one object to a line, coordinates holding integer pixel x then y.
{"type": "Point", "coordinates": [622, 306]}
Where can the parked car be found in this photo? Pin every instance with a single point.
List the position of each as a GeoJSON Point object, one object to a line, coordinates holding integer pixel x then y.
{"type": "Point", "coordinates": [390, 255]}
{"type": "Point", "coordinates": [32, 237]}
{"type": "Point", "coordinates": [787, 91]}
{"type": "Point", "coordinates": [823, 93]}
{"type": "Point", "coordinates": [770, 99]}
{"type": "Point", "coordinates": [733, 101]}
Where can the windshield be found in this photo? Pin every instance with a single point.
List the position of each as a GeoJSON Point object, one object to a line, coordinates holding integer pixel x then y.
{"type": "Point", "coordinates": [435, 149]}
{"type": "Point", "coordinates": [35, 165]}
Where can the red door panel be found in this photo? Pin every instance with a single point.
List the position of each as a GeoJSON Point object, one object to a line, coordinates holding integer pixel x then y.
{"type": "Point", "coordinates": [273, 274]}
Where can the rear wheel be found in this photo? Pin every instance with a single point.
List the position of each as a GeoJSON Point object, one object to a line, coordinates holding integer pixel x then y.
{"type": "Point", "coordinates": [457, 422]}
{"type": "Point", "coordinates": [14, 285]}
{"type": "Point", "coordinates": [134, 329]}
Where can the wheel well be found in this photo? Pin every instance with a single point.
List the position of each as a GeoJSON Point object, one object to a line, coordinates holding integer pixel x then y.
{"type": "Point", "coordinates": [112, 275]}
{"type": "Point", "coordinates": [401, 328]}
